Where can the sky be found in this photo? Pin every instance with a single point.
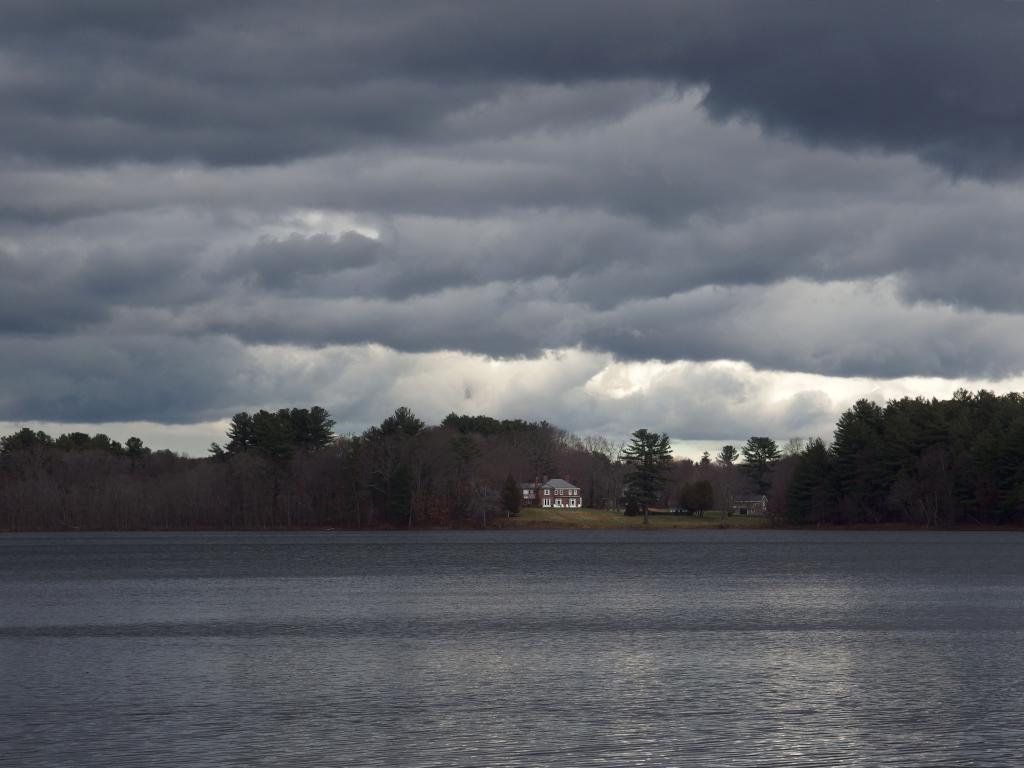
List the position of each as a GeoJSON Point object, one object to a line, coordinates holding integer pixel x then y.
{"type": "Point", "coordinates": [714, 219]}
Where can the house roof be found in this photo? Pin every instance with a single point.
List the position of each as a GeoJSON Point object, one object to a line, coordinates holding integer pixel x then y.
{"type": "Point", "coordinates": [756, 498]}
{"type": "Point", "coordinates": [557, 482]}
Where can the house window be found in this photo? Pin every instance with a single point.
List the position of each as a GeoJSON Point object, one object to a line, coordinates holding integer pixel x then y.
{"type": "Point", "coordinates": [547, 491]}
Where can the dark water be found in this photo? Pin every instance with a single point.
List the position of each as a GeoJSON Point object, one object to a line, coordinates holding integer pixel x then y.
{"type": "Point", "coordinates": [571, 648]}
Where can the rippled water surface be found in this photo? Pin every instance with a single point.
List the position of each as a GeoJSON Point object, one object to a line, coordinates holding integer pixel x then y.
{"type": "Point", "coordinates": [561, 648]}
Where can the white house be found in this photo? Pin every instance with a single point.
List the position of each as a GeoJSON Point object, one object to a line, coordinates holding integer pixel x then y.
{"type": "Point", "coordinates": [555, 493]}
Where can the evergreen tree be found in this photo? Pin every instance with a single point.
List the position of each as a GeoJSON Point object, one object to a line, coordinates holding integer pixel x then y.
{"type": "Point", "coordinates": [760, 455]}
{"type": "Point", "coordinates": [25, 439]}
{"type": "Point", "coordinates": [402, 421]}
{"type": "Point", "coordinates": [465, 449]}
{"type": "Point", "coordinates": [241, 435]}
{"type": "Point", "coordinates": [104, 443]}
{"type": "Point", "coordinates": [858, 450]}
{"type": "Point", "coordinates": [135, 449]}
{"type": "Point", "coordinates": [73, 441]}
{"type": "Point", "coordinates": [313, 429]}
{"type": "Point", "coordinates": [399, 495]}
{"type": "Point", "coordinates": [811, 493]}
{"type": "Point", "coordinates": [726, 479]}
{"type": "Point", "coordinates": [649, 456]}
{"type": "Point", "coordinates": [727, 456]}
{"type": "Point", "coordinates": [272, 434]}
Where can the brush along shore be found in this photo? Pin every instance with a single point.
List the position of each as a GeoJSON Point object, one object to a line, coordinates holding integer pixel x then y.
{"type": "Point", "coordinates": [536, 517]}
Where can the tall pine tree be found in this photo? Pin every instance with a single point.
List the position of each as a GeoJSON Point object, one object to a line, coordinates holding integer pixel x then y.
{"type": "Point", "coordinates": [649, 456]}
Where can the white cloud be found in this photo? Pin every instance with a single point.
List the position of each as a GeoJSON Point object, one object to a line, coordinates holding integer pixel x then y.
{"type": "Point", "coordinates": [701, 405]}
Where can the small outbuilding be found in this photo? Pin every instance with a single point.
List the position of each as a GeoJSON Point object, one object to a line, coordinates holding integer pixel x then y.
{"type": "Point", "coordinates": [755, 505]}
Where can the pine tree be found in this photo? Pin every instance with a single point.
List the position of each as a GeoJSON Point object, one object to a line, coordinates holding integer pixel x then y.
{"type": "Point", "coordinates": [760, 454]}
{"type": "Point", "coordinates": [727, 456]}
{"type": "Point", "coordinates": [649, 456]}
{"type": "Point", "coordinates": [240, 433]}
{"type": "Point", "coordinates": [403, 421]}
{"type": "Point", "coordinates": [858, 452]}
{"type": "Point", "coordinates": [811, 493]}
{"type": "Point", "coordinates": [313, 428]}
{"type": "Point", "coordinates": [272, 433]}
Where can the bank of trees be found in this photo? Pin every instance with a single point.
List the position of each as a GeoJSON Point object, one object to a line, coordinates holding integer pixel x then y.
{"type": "Point", "coordinates": [279, 434]}
{"type": "Point", "coordinates": [286, 468]}
{"type": "Point", "coordinates": [82, 482]}
{"type": "Point", "coordinates": [916, 461]}
{"type": "Point", "coordinates": [911, 461]}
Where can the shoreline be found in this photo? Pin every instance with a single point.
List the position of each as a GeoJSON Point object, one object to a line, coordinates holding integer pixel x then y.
{"type": "Point", "coordinates": [539, 526]}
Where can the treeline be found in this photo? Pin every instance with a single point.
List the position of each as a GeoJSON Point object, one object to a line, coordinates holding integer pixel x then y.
{"type": "Point", "coordinates": [286, 469]}
{"type": "Point", "coordinates": [912, 461]}
{"type": "Point", "coordinates": [933, 463]}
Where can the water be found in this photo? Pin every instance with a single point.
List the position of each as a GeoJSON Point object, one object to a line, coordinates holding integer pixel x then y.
{"type": "Point", "coordinates": [529, 648]}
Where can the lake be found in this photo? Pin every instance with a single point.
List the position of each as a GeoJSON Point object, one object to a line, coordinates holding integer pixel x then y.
{"type": "Point", "coordinates": [512, 648]}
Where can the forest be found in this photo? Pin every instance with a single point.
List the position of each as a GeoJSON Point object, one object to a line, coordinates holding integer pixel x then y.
{"type": "Point", "coordinates": [932, 463]}
{"type": "Point", "coordinates": [915, 462]}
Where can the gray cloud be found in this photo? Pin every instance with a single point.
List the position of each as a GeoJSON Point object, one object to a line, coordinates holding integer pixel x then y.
{"type": "Point", "coordinates": [281, 264]}
{"type": "Point", "coordinates": [260, 82]}
{"type": "Point", "coordinates": [28, 303]}
{"type": "Point", "coordinates": [82, 378]}
{"type": "Point", "coordinates": [197, 197]}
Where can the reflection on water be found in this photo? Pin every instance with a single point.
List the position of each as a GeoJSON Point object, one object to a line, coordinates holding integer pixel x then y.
{"type": "Point", "coordinates": [541, 648]}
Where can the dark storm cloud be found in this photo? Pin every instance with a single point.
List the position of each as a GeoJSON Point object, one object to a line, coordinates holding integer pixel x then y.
{"type": "Point", "coordinates": [823, 329]}
{"type": "Point", "coordinates": [89, 378]}
{"type": "Point", "coordinates": [200, 201]}
{"type": "Point", "coordinates": [789, 292]}
{"type": "Point", "coordinates": [63, 292]}
{"type": "Point", "coordinates": [267, 82]}
{"type": "Point", "coordinates": [30, 301]}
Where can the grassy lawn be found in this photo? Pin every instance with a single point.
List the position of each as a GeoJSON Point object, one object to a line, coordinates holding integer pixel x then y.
{"type": "Point", "coordinates": [533, 517]}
